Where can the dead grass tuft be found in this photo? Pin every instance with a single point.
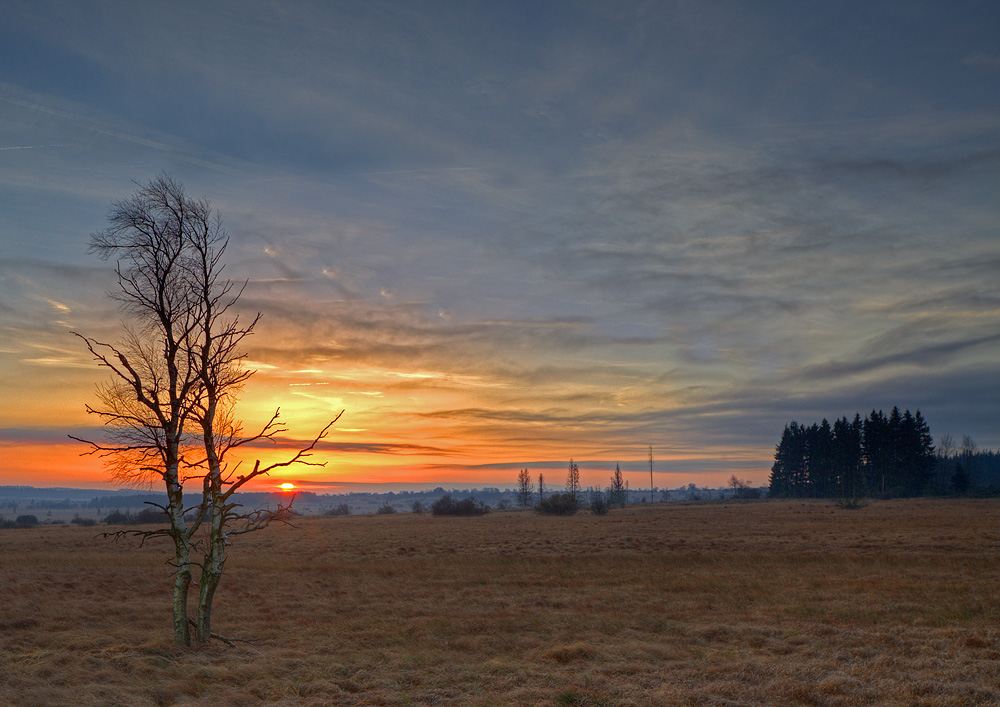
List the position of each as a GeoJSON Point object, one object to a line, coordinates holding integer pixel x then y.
{"type": "Point", "coordinates": [571, 653]}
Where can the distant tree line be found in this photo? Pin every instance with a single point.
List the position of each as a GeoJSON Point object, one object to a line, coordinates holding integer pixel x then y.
{"type": "Point", "coordinates": [574, 497]}
{"type": "Point", "coordinates": [880, 456]}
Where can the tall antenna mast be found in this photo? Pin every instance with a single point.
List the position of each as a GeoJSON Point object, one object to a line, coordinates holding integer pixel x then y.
{"type": "Point", "coordinates": [650, 473]}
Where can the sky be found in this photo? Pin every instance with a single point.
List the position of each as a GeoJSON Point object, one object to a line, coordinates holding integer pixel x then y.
{"type": "Point", "coordinates": [501, 235]}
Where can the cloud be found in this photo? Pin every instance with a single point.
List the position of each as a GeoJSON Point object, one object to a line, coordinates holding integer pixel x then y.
{"type": "Point", "coordinates": [353, 447]}
{"type": "Point", "coordinates": [92, 130]}
{"type": "Point", "coordinates": [983, 60]}
{"type": "Point", "coordinates": [46, 435]}
{"type": "Point", "coordinates": [930, 355]}
{"type": "Point", "coordinates": [922, 170]}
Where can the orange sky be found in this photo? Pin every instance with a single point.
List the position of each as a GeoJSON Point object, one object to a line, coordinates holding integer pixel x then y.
{"type": "Point", "coordinates": [384, 436]}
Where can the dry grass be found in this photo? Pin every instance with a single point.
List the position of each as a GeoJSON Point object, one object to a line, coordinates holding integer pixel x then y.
{"type": "Point", "coordinates": [739, 604]}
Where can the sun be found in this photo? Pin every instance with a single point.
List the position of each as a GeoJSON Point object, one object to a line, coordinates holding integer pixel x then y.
{"type": "Point", "coordinates": [287, 486]}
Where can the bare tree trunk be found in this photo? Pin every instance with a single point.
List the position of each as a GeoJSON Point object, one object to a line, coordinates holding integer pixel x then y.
{"type": "Point", "coordinates": [182, 581]}
{"type": "Point", "coordinates": [182, 556]}
{"type": "Point", "coordinates": [209, 583]}
{"type": "Point", "coordinates": [215, 559]}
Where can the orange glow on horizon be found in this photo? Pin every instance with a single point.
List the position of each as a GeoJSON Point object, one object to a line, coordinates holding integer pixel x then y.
{"type": "Point", "coordinates": [61, 464]}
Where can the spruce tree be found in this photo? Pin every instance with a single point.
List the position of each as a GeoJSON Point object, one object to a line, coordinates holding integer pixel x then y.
{"type": "Point", "coordinates": [524, 488]}
{"type": "Point", "coordinates": [616, 492]}
{"type": "Point", "coordinates": [573, 480]}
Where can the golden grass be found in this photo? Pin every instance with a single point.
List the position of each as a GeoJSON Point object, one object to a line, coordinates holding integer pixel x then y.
{"type": "Point", "coordinates": [726, 604]}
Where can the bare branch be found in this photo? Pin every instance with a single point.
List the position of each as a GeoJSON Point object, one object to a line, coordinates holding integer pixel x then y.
{"type": "Point", "coordinates": [143, 535]}
{"type": "Point", "coordinates": [231, 642]}
{"type": "Point", "coordinates": [299, 458]}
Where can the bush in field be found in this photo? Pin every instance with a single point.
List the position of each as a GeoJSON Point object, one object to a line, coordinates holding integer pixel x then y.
{"type": "Point", "coordinates": [599, 503]}
{"type": "Point", "coordinates": [446, 506]}
{"type": "Point", "coordinates": [385, 509]}
{"type": "Point", "coordinates": [418, 508]}
{"type": "Point", "coordinates": [149, 516]}
{"type": "Point", "coordinates": [116, 518]}
{"type": "Point", "coordinates": [85, 522]}
{"type": "Point", "coordinates": [559, 504]}
{"type": "Point", "coordinates": [26, 521]}
{"type": "Point", "coordinates": [342, 510]}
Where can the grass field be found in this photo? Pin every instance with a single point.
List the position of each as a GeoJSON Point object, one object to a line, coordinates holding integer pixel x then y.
{"type": "Point", "coordinates": [782, 603]}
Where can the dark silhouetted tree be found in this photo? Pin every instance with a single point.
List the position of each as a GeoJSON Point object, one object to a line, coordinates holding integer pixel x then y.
{"type": "Point", "coordinates": [573, 479]}
{"type": "Point", "coordinates": [892, 455]}
{"type": "Point", "coordinates": [168, 408]}
{"type": "Point", "coordinates": [848, 474]}
{"type": "Point", "coordinates": [651, 498]}
{"type": "Point", "coordinates": [617, 492]}
{"type": "Point", "coordinates": [960, 479]}
{"type": "Point", "coordinates": [525, 489]}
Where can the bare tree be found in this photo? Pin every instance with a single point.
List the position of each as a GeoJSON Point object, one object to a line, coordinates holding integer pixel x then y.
{"type": "Point", "coordinates": [169, 405]}
{"type": "Point", "coordinates": [946, 446]}
{"type": "Point", "coordinates": [573, 479]}
{"type": "Point", "coordinates": [541, 487]}
{"type": "Point", "coordinates": [524, 488]}
{"type": "Point", "coordinates": [969, 446]}
{"type": "Point", "coordinates": [742, 489]}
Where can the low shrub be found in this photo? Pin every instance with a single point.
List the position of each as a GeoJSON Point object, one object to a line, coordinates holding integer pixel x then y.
{"type": "Point", "coordinates": [26, 521]}
{"type": "Point", "coordinates": [86, 522]}
{"type": "Point", "coordinates": [599, 503]}
{"type": "Point", "coordinates": [115, 518]}
{"type": "Point", "coordinates": [147, 516]}
{"type": "Point", "coordinates": [446, 506]}
{"type": "Point", "coordinates": [342, 510]}
{"type": "Point", "coordinates": [559, 504]}
{"type": "Point", "coordinates": [385, 509]}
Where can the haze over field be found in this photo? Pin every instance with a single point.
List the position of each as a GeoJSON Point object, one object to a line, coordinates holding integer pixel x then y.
{"type": "Point", "coordinates": [500, 235]}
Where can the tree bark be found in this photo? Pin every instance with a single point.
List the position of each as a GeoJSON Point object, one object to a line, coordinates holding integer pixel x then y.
{"type": "Point", "coordinates": [182, 555]}
{"type": "Point", "coordinates": [214, 562]}
{"type": "Point", "coordinates": [182, 581]}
